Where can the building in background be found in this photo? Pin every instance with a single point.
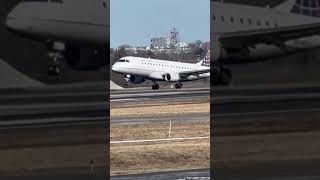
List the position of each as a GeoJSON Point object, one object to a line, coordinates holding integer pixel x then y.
{"type": "Point", "coordinates": [166, 42]}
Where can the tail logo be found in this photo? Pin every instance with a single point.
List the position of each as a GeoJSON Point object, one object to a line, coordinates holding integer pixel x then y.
{"type": "Point", "coordinates": [206, 60]}
{"type": "Point", "coordinates": [307, 7]}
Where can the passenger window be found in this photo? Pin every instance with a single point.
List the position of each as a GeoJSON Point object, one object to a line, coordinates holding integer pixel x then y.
{"type": "Point", "coordinates": [222, 18]}
{"type": "Point", "coordinates": [258, 23]}
{"type": "Point", "coordinates": [241, 20]}
{"type": "Point", "coordinates": [249, 21]}
{"type": "Point", "coordinates": [267, 23]}
{"type": "Point", "coordinates": [231, 19]}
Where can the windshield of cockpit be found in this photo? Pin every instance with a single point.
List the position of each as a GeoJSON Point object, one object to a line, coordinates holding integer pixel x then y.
{"type": "Point", "coordinates": [124, 60]}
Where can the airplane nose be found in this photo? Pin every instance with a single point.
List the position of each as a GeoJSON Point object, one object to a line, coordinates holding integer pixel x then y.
{"type": "Point", "coordinates": [15, 20]}
{"type": "Point", "coordinates": [115, 67]}
{"type": "Point", "coordinates": [10, 23]}
{"type": "Point", "coordinates": [10, 20]}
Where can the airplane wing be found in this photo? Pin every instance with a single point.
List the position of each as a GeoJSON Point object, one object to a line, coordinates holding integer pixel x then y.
{"type": "Point", "coordinates": [276, 36]}
{"type": "Point", "coordinates": [195, 72]}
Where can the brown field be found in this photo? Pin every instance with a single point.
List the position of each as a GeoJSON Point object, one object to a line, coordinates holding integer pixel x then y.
{"type": "Point", "coordinates": [159, 156]}
{"type": "Point", "coordinates": [161, 109]}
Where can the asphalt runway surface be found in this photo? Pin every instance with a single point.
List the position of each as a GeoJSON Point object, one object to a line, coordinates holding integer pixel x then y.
{"type": "Point", "coordinates": [142, 96]}
{"type": "Point", "coordinates": [53, 106]}
{"type": "Point", "coordinates": [200, 174]}
{"type": "Point", "coordinates": [38, 121]}
{"type": "Point", "coordinates": [271, 122]}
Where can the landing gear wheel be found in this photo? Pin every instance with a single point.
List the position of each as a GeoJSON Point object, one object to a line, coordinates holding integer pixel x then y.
{"type": "Point", "coordinates": [155, 86]}
{"type": "Point", "coordinates": [54, 67]}
{"type": "Point", "coordinates": [178, 85]}
{"type": "Point", "coordinates": [225, 76]}
{"type": "Point", "coordinates": [54, 70]}
{"type": "Point", "coordinates": [215, 75]}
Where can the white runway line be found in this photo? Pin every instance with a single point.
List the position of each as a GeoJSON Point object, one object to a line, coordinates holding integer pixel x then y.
{"type": "Point", "coordinates": [157, 140]}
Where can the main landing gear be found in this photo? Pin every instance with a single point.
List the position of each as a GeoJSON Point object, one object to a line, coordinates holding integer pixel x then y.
{"type": "Point", "coordinates": [220, 75]}
{"type": "Point", "coordinates": [54, 67]}
{"type": "Point", "coordinates": [178, 85]}
{"type": "Point", "coordinates": [56, 50]}
{"type": "Point", "coordinates": [155, 86]}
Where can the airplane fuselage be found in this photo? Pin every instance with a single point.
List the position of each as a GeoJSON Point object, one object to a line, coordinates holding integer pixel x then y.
{"type": "Point", "coordinates": [229, 19]}
{"type": "Point", "coordinates": [154, 69]}
{"type": "Point", "coordinates": [82, 21]}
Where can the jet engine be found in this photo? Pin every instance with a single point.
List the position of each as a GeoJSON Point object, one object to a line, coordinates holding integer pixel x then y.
{"type": "Point", "coordinates": [173, 77]}
{"type": "Point", "coordinates": [134, 79]}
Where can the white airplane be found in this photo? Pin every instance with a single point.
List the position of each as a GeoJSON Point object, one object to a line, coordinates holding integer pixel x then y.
{"type": "Point", "coordinates": [137, 70]}
{"type": "Point", "coordinates": [242, 33]}
{"type": "Point", "coordinates": [76, 31]}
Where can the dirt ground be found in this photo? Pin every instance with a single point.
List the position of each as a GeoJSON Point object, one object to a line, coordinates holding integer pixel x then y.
{"type": "Point", "coordinates": [54, 151]}
{"type": "Point", "coordinates": [159, 156]}
{"type": "Point", "coordinates": [132, 159]}
{"type": "Point", "coordinates": [265, 148]}
{"type": "Point", "coordinates": [162, 109]}
{"type": "Point", "coordinates": [23, 161]}
{"type": "Point", "coordinates": [158, 131]}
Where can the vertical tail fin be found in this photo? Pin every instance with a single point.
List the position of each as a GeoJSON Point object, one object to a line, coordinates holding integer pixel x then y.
{"type": "Point", "coordinates": [303, 7]}
{"type": "Point", "coordinates": [206, 60]}
{"type": "Point", "coordinates": [286, 6]}
{"type": "Point", "coordinates": [307, 7]}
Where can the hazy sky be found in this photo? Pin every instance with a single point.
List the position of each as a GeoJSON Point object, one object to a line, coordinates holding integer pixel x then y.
{"type": "Point", "coordinates": [135, 22]}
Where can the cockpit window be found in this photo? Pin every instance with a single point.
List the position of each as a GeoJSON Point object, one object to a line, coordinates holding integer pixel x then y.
{"type": "Point", "coordinates": [124, 60]}
{"type": "Point", "coordinates": [56, 1]}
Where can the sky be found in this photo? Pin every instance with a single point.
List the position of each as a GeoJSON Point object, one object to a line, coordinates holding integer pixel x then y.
{"type": "Point", "coordinates": [135, 22]}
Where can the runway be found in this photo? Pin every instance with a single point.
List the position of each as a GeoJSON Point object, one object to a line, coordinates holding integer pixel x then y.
{"type": "Point", "coordinates": [53, 106]}
{"type": "Point", "coordinates": [198, 174]}
{"type": "Point", "coordinates": [52, 132]}
{"type": "Point", "coordinates": [266, 133]}
{"type": "Point", "coordinates": [141, 97]}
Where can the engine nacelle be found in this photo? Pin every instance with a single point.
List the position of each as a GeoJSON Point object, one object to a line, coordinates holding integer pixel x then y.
{"type": "Point", "coordinates": [171, 77]}
{"type": "Point", "coordinates": [134, 79]}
